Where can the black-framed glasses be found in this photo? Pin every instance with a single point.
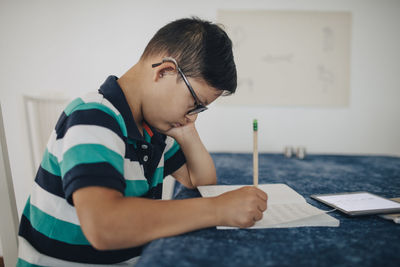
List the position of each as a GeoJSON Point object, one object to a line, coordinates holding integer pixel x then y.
{"type": "Point", "coordinates": [198, 106]}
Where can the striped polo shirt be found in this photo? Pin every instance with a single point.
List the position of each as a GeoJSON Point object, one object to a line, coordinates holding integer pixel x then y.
{"type": "Point", "coordinates": [95, 143]}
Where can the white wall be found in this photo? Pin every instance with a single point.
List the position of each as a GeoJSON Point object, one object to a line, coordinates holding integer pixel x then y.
{"type": "Point", "coordinates": [72, 46]}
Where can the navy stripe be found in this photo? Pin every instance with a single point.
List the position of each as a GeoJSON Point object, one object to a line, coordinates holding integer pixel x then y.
{"type": "Point", "coordinates": [174, 163]}
{"type": "Point", "coordinates": [49, 182]}
{"type": "Point", "coordinates": [74, 253]}
{"type": "Point", "coordinates": [111, 90]}
{"type": "Point", "coordinates": [93, 174]}
{"type": "Point", "coordinates": [61, 120]}
{"type": "Point", "coordinates": [131, 152]}
{"type": "Point", "coordinates": [155, 192]}
{"type": "Point", "coordinates": [88, 117]}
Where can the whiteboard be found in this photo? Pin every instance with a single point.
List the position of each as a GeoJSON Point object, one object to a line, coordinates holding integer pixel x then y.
{"type": "Point", "coordinates": [289, 58]}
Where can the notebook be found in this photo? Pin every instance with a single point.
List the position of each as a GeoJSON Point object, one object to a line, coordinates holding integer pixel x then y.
{"type": "Point", "coordinates": [286, 207]}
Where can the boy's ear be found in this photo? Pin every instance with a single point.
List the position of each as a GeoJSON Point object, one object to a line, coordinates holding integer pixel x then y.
{"type": "Point", "coordinates": [164, 69]}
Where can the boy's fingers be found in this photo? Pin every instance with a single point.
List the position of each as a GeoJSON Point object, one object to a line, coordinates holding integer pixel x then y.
{"type": "Point", "coordinates": [258, 216]}
{"type": "Point", "coordinates": [261, 194]}
{"type": "Point", "coordinates": [262, 206]}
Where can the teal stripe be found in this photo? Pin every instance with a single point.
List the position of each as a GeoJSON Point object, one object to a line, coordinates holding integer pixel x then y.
{"type": "Point", "coordinates": [147, 137]}
{"type": "Point", "coordinates": [50, 163]}
{"type": "Point", "coordinates": [132, 142]}
{"type": "Point", "coordinates": [90, 153]}
{"type": "Point", "coordinates": [79, 104]}
{"type": "Point", "coordinates": [22, 263]}
{"type": "Point", "coordinates": [71, 106]}
{"type": "Point", "coordinates": [158, 177]}
{"type": "Point", "coordinates": [175, 147]}
{"type": "Point", "coordinates": [53, 228]}
{"type": "Point", "coordinates": [94, 105]}
{"type": "Point", "coordinates": [136, 188]}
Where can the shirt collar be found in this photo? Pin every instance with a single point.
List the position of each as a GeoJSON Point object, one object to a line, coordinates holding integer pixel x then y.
{"type": "Point", "coordinates": [113, 93]}
{"type": "Point", "coordinates": [111, 90]}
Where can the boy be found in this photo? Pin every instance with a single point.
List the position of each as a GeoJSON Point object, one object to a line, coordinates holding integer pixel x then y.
{"type": "Point", "coordinates": [96, 194]}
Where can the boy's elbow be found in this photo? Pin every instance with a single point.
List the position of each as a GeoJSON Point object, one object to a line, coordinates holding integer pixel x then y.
{"type": "Point", "coordinates": [102, 237]}
{"type": "Point", "coordinates": [99, 232]}
{"type": "Point", "coordinates": [97, 236]}
{"type": "Point", "coordinates": [212, 180]}
{"type": "Point", "coordinates": [99, 242]}
{"type": "Point", "coordinates": [190, 185]}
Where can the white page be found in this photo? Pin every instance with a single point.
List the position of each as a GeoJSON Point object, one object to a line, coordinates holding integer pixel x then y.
{"type": "Point", "coordinates": [286, 208]}
{"type": "Point", "coordinates": [277, 193]}
{"type": "Point", "coordinates": [360, 201]}
{"type": "Point", "coordinates": [284, 213]}
{"type": "Point", "coordinates": [318, 220]}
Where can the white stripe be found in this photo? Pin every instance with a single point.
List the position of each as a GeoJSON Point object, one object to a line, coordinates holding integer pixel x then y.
{"type": "Point", "coordinates": [99, 98]}
{"type": "Point", "coordinates": [92, 97]}
{"type": "Point", "coordinates": [53, 205]}
{"type": "Point", "coordinates": [169, 141]}
{"type": "Point", "coordinates": [93, 134]}
{"type": "Point", "coordinates": [133, 170]}
{"type": "Point", "coordinates": [31, 255]}
{"type": "Point", "coordinates": [108, 104]}
{"type": "Point", "coordinates": [52, 139]}
{"type": "Point", "coordinates": [55, 148]}
{"type": "Point", "coordinates": [161, 163]}
{"type": "Point", "coordinates": [88, 134]}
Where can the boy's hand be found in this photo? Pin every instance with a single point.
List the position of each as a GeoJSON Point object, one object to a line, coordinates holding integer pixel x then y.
{"type": "Point", "coordinates": [178, 133]}
{"type": "Point", "coordinates": [241, 207]}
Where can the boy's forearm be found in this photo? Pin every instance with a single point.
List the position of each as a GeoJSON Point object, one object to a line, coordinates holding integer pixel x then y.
{"type": "Point", "coordinates": [132, 222]}
{"type": "Point", "coordinates": [198, 161]}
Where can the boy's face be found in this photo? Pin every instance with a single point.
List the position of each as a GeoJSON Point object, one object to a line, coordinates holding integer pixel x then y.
{"type": "Point", "coordinates": [170, 100]}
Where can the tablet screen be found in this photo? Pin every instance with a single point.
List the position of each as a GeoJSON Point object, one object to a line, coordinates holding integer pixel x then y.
{"type": "Point", "coordinates": [355, 202]}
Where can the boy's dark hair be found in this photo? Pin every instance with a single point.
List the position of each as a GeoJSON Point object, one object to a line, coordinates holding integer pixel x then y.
{"type": "Point", "coordinates": [201, 48]}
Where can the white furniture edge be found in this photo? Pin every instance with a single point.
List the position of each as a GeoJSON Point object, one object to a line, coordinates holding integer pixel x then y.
{"type": "Point", "coordinates": [9, 221]}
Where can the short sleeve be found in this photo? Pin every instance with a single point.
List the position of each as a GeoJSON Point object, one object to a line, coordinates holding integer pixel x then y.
{"type": "Point", "coordinates": [91, 148]}
{"type": "Point", "coordinates": [173, 156]}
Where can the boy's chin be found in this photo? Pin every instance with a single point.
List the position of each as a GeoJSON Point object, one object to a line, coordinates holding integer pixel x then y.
{"type": "Point", "coordinates": [163, 128]}
{"type": "Point", "coordinates": [166, 127]}
{"type": "Point", "coordinates": [176, 125]}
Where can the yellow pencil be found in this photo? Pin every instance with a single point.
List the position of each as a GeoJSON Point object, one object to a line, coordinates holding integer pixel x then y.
{"type": "Point", "coordinates": [255, 154]}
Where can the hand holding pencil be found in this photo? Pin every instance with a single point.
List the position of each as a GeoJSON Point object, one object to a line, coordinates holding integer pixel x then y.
{"type": "Point", "coordinates": [243, 207]}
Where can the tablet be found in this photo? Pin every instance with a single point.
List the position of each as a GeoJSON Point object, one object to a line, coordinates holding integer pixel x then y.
{"type": "Point", "coordinates": [359, 203]}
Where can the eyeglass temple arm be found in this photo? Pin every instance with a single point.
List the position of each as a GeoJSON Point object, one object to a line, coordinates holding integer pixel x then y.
{"type": "Point", "coordinates": [167, 59]}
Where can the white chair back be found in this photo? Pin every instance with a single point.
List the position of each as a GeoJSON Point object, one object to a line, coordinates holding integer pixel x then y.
{"type": "Point", "coordinates": [41, 114]}
{"type": "Point", "coordinates": [8, 207]}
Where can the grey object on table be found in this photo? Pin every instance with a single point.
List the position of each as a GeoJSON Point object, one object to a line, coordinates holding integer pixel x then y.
{"type": "Point", "coordinates": [301, 152]}
{"type": "Point", "coordinates": [288, 151]}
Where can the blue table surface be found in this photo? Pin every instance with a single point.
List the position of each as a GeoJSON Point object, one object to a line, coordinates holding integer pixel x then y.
{"type": "Point", "coordinates": [359, 241]}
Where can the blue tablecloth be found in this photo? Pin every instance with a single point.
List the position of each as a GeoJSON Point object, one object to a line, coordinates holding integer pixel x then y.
{"type": "Point", "coordinates": [359, 241]}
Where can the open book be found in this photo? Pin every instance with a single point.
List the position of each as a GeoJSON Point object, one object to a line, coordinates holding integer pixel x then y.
{"type": "Point", "coordinates": [286, 207]}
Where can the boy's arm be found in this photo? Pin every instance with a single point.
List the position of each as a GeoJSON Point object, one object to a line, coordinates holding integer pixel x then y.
{"type": "Point", "coordinates": [199, 168]}
{"type": "Point", "coordinates": [111, 221]}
